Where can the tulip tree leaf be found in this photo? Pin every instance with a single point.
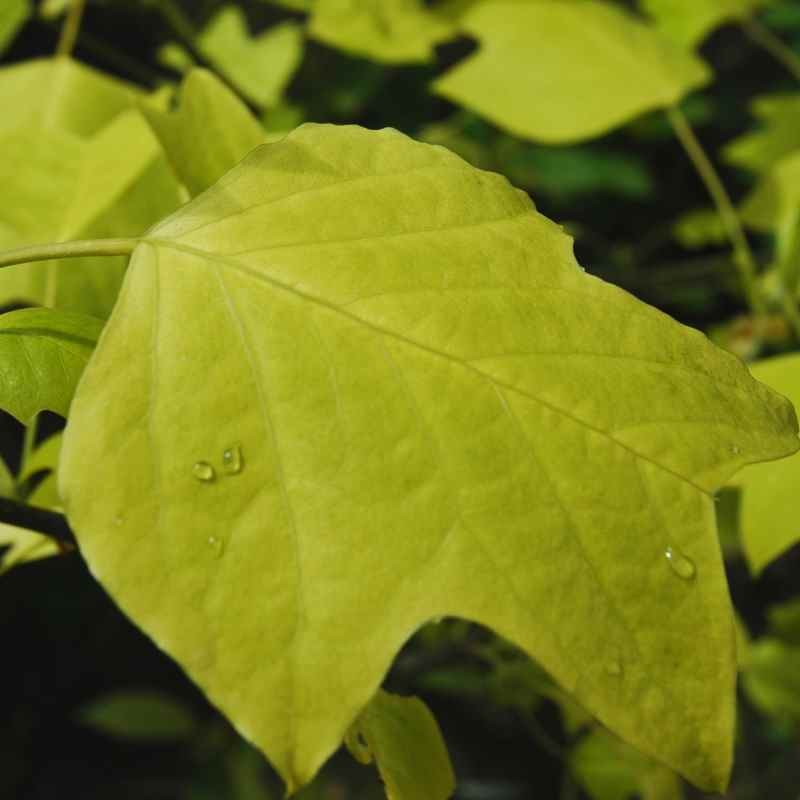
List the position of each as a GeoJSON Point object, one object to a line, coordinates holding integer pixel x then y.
{"type": "Point", "coordinates": [292, 5]}
{"type": "Point", "coordinates": [229, 131]}
{"type": "Point", "coordinates": [43, 459]}
{"type": "Point", "coordinates": [561, 72]}
{"type": "Point", "coordinates": [145, 716]}
{"type": "Point", "coordinates": [366, 385]}
{"type": "Point", "coordinates": [688, 22]}
{"type": "Point", "coordinates": [42, 355]}
{"type": "Point", "coordinates": [608, 769]}
{"type": "Point", "coordinates": [401, 736]}
{"type": "Point", "coordinates": [391, 31]}
{"type": "Point", "coordinates": [23, 546]}
{"type": "Point", "coordinates": [13, 15]}
{"type": "Point", "coordinates": [68, 125]}
{"type": "Point", "coordinates": [770, 491]}
{"type": "Point", "coordinates": [778, 134]}
{"type": "Point", "coordinates": [772, 678]}
{"type": "Point", "coordinates": [261, 66]}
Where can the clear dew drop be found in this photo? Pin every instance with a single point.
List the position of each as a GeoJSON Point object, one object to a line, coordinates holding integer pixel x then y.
{"type": "Point", "coordinates": [118, 520]}
{"type": "Point", "coordinates": [203, 471]}
{"type": "Point", "coordinates": [682, 566]}
{"type": "Point", "coordinates": [217, 545]}
{"type": "Point", "coordinates": [232, 461]}
{"type": "Point", "coordinates": [735, 449]}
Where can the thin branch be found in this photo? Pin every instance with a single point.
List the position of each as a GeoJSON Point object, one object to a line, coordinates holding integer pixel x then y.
{"type": "Point", "coordinates": [776, 47]}
{"type": "Point", "coordinates": [743, 256]}
{"type": "Point", "coordinates": [70, 29]}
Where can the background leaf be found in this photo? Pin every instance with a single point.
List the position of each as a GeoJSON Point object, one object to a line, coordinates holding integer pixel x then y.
{"type": "Point", "coordinates": [561, 72]}
{"type": "Point", "coordinates": [401, 736]}
{"type": "Point", "coordinates": [209, 132]}
{"type": "Point", "coordinates": [688, 22]}
{"type": "Point", "coordinates": [23, 546]}
{"type": "Point", "coordinates": [13, 15]}
{"type": "Point", "coordinates": [75, 183]}
{"type": "Point", "coordinates": [140, 716]}
{"type": "Point", "coordinates": [374, 387]}
{"type": "Point", "coordinates": [770, 491]}
{"type": "Point", "coordinates": [259, 66]}
{"type": "Point", "coordinates": [42, 355]}
{"type": "Point", "coordinates": [392, 31]}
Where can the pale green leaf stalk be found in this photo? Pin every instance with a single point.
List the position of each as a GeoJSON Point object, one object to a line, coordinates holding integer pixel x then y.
{"type": "Point", "coordinates": [23, 546]}
{"type": "Point", "coordinates": [359, 384]}
{"type": "Point", "coordinates": [42, 355]}
{"type": "Point", "coordinates": [390, 31]}
{"type": "Point", "coordinates": [769, 491]}
{"type": "Point", "coordinates": [561, 72]}
{"type": "Point", "coordinates": [228, 131]}
{"type": "Point", "coordinates": [401, 736]}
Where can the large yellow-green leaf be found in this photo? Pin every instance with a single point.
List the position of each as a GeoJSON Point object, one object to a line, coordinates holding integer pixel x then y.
{"type": "Point", "coordinates": [560, 72]}
{"type": "Point", "coordinates": [778, 134]}
{"type": "Point", "coordinates": [688, 22]}
{"type": "Point", "coordinates": [359, 384]}
{"type": "Point", "coordinates": [23, 546]}
{"type": "Point", "coordinates": [229, 131]}
{"type": "Point", "coordinates": [401, 736]}
{"type": "Point", "coordinates": [69, 126]}
{"type": "Point", "coordinates": [261, 66]}
{"type": "Point", "coordinates": [769, 509]}
{"type": "Point", "coordinates": [42, 355]}
{"type": "Point", "coordinates": [392, 31]}
{"type": "Point", "coordinates": [13, 14]}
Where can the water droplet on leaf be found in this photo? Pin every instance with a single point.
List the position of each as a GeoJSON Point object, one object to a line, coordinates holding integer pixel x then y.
{"type": "Point", "coordinates": [232, 459]}
{"type": "Point", "coordinates": [217, 545]}
{"type": "Point", "coordinates": [203, 471]}
{"type": "Point", "coordinates": [118, 520]}
{"type": "Point", "coordinates": [735, 449]}
{"type": "Point", "coordinates": [682, 566]}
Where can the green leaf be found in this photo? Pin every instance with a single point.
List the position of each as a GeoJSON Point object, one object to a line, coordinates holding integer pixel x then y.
{"type": "Point", "coordinates": [772, 678]}
{"type": "Point", "coordinates": [68, 127]}
{"type": "Point", "coordinates": [42, 355]}
{"type": "Point", "coordinates": [688, 22]}
{"type": "Point", "coordinates": [560, 72]}
{"type": "Point", "coordinates": [140, 716]}
{"type": "Point", "coordinates": [24, 546]}
{"type": "Point", "coordinates": [8, 486]}
{"type": "Point", "coordinates": [784, 621]}
{"type": "Point", "coordinates": [229, 131]}
{"type": "Point", "coordinates": [260, 67]}
{"type": "Point", "coordinates": [369, 385]}
{"type": "Point", "coordinates": [770, 491]}
{"type": "Point", "coordinates": [608, 769]}
{"type": "Point", "coordinates": [391, 31]}
{"type": "Point", "coordinates": [401, 736]}
{"type": "Point", "coordinates": [293, 5]}
{"type": "Point", "coordinates": [778, 134]}
{"type": "Point", "coordinates": [43, 459]}
{"type": "Point", "coordinates": [775, 202]}
{"type": "Point", "coordinates": [13, 15]}
{"type": "Point", "coordinates": [700, 228]}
